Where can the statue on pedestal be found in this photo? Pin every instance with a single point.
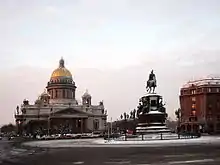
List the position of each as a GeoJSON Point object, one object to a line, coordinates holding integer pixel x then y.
{"type": "Point", "coordinates": [151, 111]}
{"type": "Point", "coordinates": [17, 109]}
{"type": "Point", "coordinates": [152, 82]}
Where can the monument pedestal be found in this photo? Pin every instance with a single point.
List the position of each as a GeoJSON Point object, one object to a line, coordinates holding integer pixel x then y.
{"type": "Point", "coordinates": [152, 115]}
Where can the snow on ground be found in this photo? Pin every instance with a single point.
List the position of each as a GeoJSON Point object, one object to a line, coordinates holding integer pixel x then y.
{"type": "Point", "coordinates": [114, 143]}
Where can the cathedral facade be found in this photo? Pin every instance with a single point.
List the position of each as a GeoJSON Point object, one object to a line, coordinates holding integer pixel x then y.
{"type": "Point", "coordinates": [57, 111]}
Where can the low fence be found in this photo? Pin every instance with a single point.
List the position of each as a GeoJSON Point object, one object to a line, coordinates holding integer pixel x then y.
{"type": "Point", "coordinates": [157, 136]}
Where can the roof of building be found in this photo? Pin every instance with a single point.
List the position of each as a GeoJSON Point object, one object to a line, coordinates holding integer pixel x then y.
{"type": "Point", "coordinates": [208, 80]}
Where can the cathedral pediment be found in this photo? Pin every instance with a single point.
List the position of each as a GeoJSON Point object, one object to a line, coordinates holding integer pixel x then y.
{"type": "Point", "coordinates": [70, 111]}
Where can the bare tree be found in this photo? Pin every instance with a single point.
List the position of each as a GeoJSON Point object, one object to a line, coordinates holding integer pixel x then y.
{"type": "Point", "coordinates": [125, 115]}
{"type": "Point", "coordinates": [178, 116]}
{"type": "Point", "coordinates": [178, 113]}
{"type": "Point", "coordinates": [134, 113]}
{"type": "Point", "coordinates": [121, 116]}
{"type": "Point", "coordinates": [131, 114]}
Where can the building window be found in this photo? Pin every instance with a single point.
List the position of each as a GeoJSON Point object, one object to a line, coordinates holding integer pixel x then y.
{"type": "Point", "coordinates": [209, 90]}
{"type": "Point", "coordinates": [181, 92]}
{"type": "Point", "coordinates": [193, 113]}
{"type": "Point", "coordinates": [218, 118]}
{"type": "Point", "coordinates": [218, 104]}
{"type": "Point", "coordinates": [218, 126]}
{"type": "Point", "coordinates": [193, 99]}
{"type": "Point", "coordinates": [209, 117]}
{"type": "Point", "coordinates": [193, 91]}
{"type": "Point", "coordinates": [217, 90]}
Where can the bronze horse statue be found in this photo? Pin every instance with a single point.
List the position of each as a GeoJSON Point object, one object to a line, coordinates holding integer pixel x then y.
{"type": "Point", "coordinates": [151, 83]}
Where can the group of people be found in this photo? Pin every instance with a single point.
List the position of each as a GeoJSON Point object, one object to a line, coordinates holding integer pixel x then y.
{"type": "Point", "coordinates": [54, 129]}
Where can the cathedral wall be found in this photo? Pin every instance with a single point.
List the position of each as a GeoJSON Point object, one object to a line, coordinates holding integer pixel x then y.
{"type": "Point", "coordinates": [62, 101]}
{"type": "Point", "coordinates": [91, 123]}
{"type": "Point", "coordinates": [102, 124]}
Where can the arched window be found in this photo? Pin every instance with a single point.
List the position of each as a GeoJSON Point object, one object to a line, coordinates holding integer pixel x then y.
{"type": "Point", "coordinates": [96, 124]}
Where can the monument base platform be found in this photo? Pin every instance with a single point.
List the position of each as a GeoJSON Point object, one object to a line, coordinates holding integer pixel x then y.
{"type": "Point", "coordinates": [152, 129]}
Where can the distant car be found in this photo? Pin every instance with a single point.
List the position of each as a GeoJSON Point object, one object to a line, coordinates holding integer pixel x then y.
{"type": "Point", "coordinates": [10, 138]}
{"type": "Point", "coordinates": [0, 138]}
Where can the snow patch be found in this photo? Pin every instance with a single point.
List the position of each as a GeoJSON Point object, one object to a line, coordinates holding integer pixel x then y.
{"type": "Point", "coordinates": [122, 143]}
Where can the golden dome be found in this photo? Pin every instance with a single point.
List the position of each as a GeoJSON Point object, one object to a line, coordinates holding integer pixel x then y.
{"type": "Point", "coordinates": [61, 71]}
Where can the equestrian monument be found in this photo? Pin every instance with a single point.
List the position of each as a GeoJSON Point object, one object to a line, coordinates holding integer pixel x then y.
{"type": "Point", "coordinates": [151, 110]}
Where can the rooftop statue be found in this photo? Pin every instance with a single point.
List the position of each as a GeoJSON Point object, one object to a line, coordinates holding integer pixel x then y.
{"type": "Point", "coordinates": [151, 83]}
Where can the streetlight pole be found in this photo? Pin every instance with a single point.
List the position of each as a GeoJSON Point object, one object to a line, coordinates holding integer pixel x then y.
{"type": "Point", "coordinates": [111, 125]}
{"type": "Point", "coordinates": [48, 122]}
{"type": "Point", "coordinates": [108, 131]}
{"type": "Point", "coordinates": [48, 126]}
{"type": "Point", "coordinates": [178, 115]}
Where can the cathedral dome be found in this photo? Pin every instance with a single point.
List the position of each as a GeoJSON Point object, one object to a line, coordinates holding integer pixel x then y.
{"type": "Point", "coordinates": [61, 71]}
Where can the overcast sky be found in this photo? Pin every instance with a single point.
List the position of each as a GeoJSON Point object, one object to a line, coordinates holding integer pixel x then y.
{"type": "Point", "coordinates": [110, 46]}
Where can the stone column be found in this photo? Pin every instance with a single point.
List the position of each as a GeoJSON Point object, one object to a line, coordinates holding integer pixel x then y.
{"type": "Point", "coordinates": [66, 93]}
{"type": "Point", "coordinates": [54, 92]}
{"type": "Point", "coordinates": [81, 125]}
{"type": "Point", "coordinates": [85, 125]}
{"type": "Point", "coordinates": [60, 93]}
{"type": "Point", "coordinates": [77, 125]}
{"type": "Point", "coordinates": [51, 94]}
{"type": "Point", "coordinates": [69, 94]}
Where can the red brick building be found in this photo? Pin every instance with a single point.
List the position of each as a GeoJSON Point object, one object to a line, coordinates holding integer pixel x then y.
{"type": "Point", "coordinates": [200, 106]}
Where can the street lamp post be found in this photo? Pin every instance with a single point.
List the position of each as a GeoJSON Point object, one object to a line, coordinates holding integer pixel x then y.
{"type": "Point", "coordinates": [111, 125]}
{"type": "Point", "coordinates": [48, 127]}
{"type": "Point", "coordinates": [48, 122]}
{"type": "Point", "coordinates": [108, 131]}
{"type": "Point", "coordinates": [125, 117]}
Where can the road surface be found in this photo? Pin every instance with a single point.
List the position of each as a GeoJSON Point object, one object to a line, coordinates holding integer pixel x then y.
{"type": "Point", "coordinates": [180, 155]}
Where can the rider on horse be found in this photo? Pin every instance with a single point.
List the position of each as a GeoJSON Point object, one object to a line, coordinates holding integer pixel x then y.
{"type": "Point", "coordinates": [151, 83]}
{"type": "Point", "coordinates": [152, 77]}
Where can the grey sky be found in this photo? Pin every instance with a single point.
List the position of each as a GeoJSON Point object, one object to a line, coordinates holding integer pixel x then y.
{"type": "Point", "coordinates": [109, 46]}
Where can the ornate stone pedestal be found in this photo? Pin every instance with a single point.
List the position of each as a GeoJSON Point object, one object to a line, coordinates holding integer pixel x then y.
{"type": "Point", "coordinates": [152, 115]}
